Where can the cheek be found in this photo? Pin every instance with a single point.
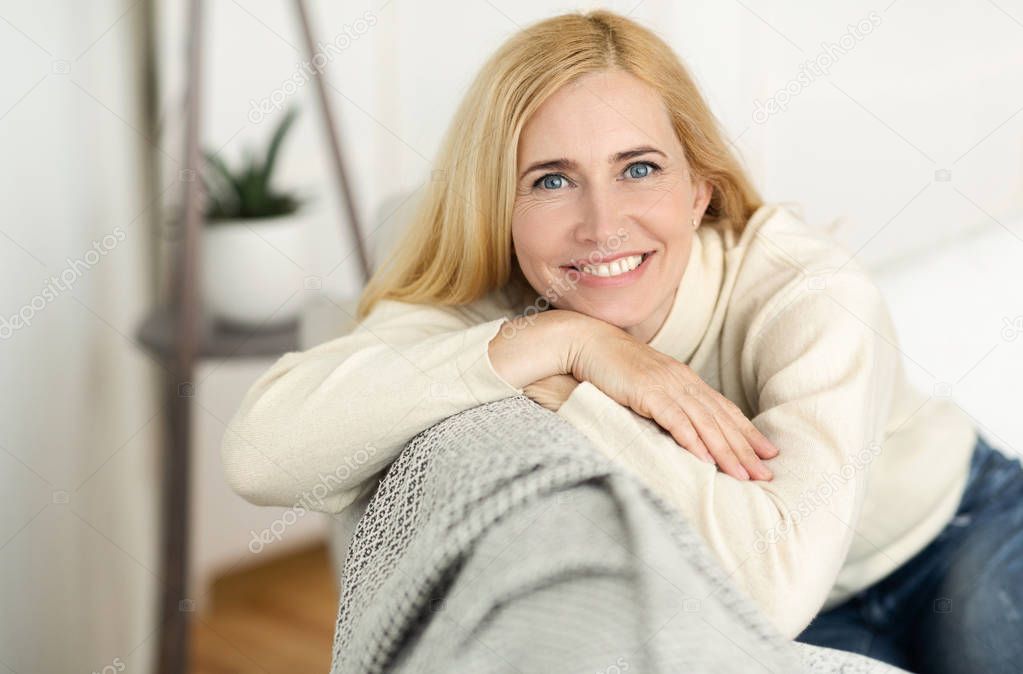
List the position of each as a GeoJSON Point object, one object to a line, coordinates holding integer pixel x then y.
{"type": "Point", "coordinates": [538, 230]}
{"type": "Point", "coordinates": [667, 218]}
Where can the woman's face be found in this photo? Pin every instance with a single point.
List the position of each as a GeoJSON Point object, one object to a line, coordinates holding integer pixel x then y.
{"type": "Point", "coordinates": [602, 176]}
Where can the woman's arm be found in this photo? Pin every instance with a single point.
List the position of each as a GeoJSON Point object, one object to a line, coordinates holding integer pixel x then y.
{"type": "Point", "coordinates": [319, 424]}
{"type": "Point", "coordinates": [819, 367]}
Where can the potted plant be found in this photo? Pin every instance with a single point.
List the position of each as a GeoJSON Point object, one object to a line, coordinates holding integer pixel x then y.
{"type": "Point", "coordinates": [253, 250]}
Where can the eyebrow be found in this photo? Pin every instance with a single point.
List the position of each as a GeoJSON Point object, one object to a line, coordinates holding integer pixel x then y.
{"type": "Point", "coordinates": [563, 164]}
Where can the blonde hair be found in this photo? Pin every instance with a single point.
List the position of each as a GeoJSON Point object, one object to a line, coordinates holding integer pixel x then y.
{"type": "Point", "coordinates": [458, 245]}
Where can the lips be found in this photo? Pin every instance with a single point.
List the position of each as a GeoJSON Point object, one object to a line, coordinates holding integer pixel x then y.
{"type": "Point", "coordinates": [645, 255]}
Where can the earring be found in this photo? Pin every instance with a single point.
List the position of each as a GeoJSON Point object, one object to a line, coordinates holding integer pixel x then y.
{"type": "Point", "coordinates": [695, 223]}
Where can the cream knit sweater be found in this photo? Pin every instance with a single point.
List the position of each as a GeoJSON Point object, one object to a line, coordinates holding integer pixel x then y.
{"type": "Point", "coordinates": [780, 321]}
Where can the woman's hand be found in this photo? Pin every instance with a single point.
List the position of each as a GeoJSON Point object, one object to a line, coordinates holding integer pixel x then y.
{"type": "Point", "coordinates": [661, 388]}
{"type": "Point", "coordinates": [551, 391]}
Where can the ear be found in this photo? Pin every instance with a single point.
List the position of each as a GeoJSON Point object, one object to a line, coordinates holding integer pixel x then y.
{"type": "Point", "coordinates": [702, 192]}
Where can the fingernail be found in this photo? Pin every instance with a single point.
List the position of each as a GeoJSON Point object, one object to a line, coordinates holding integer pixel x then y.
{"type": "Point", "coordinates": [743, 473]}
{"type": "Point", "coordinates": [707, 459]}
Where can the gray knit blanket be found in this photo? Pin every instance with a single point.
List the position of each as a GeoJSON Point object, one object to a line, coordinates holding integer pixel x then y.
{"type": "Point", "coordinates": [500, 540]}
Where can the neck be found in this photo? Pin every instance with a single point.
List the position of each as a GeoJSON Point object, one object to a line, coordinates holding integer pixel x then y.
{"type": "Point", "coordinates": [645, 330]}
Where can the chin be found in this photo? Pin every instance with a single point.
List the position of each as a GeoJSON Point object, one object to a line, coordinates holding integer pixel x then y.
{"type": "Point", "coordinates": [621, 312]}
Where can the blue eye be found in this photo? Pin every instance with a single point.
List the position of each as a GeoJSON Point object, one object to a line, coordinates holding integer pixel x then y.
{"type": "Point", "coordinates": [554, 181]}
{"type": "Point", "coordinates": [650, 166]}
{"type": "Point", "coordinates": [546, 181]}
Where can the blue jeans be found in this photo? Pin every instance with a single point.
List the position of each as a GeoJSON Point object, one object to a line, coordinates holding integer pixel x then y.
{"type": "Point", "coordinates": [957, 605]}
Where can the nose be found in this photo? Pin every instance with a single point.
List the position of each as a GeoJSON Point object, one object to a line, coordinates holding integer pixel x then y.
{"type": "Point", "coordinates": [599, 216]}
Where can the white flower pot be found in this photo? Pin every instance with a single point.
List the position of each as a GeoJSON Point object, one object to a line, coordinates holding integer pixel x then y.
{"type": "Point", "coordinates": [253, 271]}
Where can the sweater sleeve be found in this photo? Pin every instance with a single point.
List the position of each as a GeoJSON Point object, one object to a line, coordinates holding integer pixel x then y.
{"type": "Point", "coordinates": [320, 424]}
{"type": "Point", "coordinates": [819, 366]}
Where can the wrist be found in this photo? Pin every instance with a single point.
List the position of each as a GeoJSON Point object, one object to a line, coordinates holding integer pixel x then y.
{"type": "Point", "coordinates": [567, 331]}
{"type": "Point", "coordinates": [582, 336]}
{"type": "Point", "coordinates": [532, 347]}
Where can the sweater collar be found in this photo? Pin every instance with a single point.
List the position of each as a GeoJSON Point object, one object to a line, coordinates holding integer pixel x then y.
{"type": "Point", "coordinates": [697, 295]}
{"type": "Point", "coordinates": [714, 252]}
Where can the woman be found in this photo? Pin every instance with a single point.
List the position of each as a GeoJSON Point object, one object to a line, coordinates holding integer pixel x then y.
{"type": "Point", "coordinates": [591, 242]}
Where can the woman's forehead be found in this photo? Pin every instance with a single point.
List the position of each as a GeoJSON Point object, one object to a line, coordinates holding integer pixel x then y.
{"type": "Point", "coordinates": [595, 144]}
{"type": "Point", "coordinates": [601, 113]}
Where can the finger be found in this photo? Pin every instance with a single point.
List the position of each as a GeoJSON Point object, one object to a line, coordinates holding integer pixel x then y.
{"type": "Point", "coordinates": [712, 435]}
{"type": "Point", "coordinates": [700, 398]}
{"type": "Point", "coordinates": [764, 448]}
{"type": "Point", "coordinates": [670, 416]}
{"type": "Point", "coordinates": [745, 454]}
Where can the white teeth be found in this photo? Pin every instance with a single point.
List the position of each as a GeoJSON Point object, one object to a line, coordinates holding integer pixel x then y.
{"type": "Point", "coordinates": [619, 266]}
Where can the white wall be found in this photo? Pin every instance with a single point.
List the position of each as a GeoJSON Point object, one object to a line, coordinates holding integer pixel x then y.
{"type": "Point", "coordinates": [78, 419]}
{"type": "Point", "coordinates": [934, 87]}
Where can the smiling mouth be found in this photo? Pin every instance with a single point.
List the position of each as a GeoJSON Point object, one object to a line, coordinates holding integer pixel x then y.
{"type": "Point", "coordinates": [646, 256]}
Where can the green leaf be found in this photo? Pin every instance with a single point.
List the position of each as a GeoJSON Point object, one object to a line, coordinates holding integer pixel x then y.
{"type": "Point", "coordinates": [245, 192]}
{"type": "Point", "coordinates": [275, 142]}
{"type": "Point", "coordinates": [225, 173]}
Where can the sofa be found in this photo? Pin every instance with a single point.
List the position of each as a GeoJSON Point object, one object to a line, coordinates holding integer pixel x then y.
{"type": "Point", "coordinates": [501, 540]}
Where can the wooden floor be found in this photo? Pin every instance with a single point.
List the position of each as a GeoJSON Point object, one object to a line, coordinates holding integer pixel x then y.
{"type": "Point", "coordinates": [278, 617]}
